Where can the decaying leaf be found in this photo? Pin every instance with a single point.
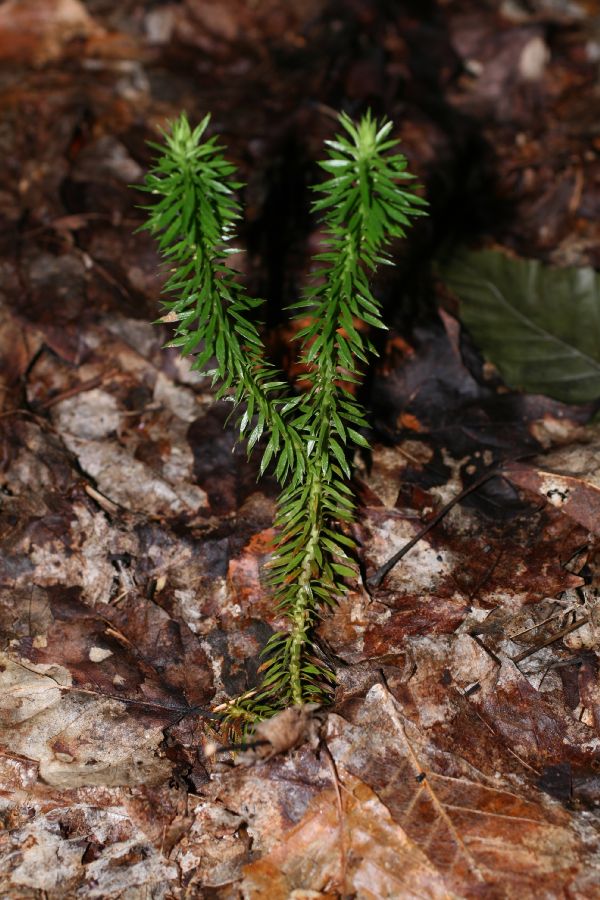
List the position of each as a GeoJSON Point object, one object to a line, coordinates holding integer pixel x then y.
{"type": "Point", "coordinates": [286, 730]}
{"type": "Point", "coordinates": [480, 834]}
{"type": "Point", "coordinates": [568, 478]}
{"type": "Point", "coordinates": [33, 31]}
{"type": "Point", "coordinates": [353, 847]}
{"type": "Point", "coordinates": [86, 840]}
{"type": "Point", "coordinates": [76, 737]}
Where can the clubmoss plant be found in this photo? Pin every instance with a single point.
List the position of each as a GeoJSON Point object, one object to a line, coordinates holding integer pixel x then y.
{"type": "Point", "coordinates": [308, 437]}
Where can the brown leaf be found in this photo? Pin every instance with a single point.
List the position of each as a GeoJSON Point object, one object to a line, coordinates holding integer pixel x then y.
{"type": "Point", "coordinates": [35, 31]}
{"type": "Point", "coordinates": [89, 839]}
{"type": "Point", "coordinates": [462, 564]}
{"type": "Point", "coordinates": [479, 834]}
{"type": "Point", "coordinates": [283, 732]}
{"type": "Point", "coordinates": [354, 849]}
{"type": "Point", "coordinates": [502, 719]}
{"type": "Point", "coordinates": [19, 343]}
{"type": "Point", "coordinates": [124, 651]}
{"type": "Point", "coordinates": [568, 478]}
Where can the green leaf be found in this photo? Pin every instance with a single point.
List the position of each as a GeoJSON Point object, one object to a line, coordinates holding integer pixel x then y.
{"type": "Point", "coordinates": [343, 570]}
{"type": "Point", "coordinates": [539, 325]}
{"type": "Point", "coordinates": [358, 438]}
{"type": "Point", "coordinates": [340, 456]}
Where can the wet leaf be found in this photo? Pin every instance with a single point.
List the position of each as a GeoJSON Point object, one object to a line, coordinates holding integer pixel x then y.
{"type": "Point", "coordinates": [36, 32]}
{"type": "Point", "coordinates": [539, 325]}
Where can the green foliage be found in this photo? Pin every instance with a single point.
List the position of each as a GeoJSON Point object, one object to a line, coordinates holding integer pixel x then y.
{"type": "Point", "coordinates": [537, 324]}
{"type": "Point", "coordinates": [194, 223]}
{"type": "Point", "coordinates": [308, 437]}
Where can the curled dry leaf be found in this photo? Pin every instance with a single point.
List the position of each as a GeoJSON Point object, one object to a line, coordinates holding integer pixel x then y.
{"type": "Point", "coordinates": [286, 730]}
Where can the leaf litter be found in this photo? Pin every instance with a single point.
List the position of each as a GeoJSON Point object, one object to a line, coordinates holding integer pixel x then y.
{"type": "Point", "coordinates": [460, 756]}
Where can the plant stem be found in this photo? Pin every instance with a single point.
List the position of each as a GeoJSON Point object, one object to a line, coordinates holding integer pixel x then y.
{"type": "Point", "coordinates": [301, 613]}
{"type": "Point", "coordinates": [309, 436]}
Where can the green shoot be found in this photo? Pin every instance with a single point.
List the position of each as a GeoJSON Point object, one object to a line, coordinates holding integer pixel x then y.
{"type": "Point", "coordinates": [308, 437]}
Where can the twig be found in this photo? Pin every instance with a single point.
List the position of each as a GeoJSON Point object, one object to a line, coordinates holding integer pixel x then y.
{"type": "Point", "coordinates": [555, 637]}
{"type": "Point", "coordinates": [103, 502]}
{"type": "Point", "coordinates": [488, 650]}
{"type": "Point", "coordinates": [88, 385]}
{"type": "Point", "coordinates": [375, 580]}
{"type": "Point", "coordinates": [20, 412]}
{"type": "Point", "coordinates": [556, 615]}
{"type": "Point", "coordinates": [341, 818]}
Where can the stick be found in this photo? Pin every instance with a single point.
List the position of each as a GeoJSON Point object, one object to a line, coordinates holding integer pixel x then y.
{"type": "Point", "coordinates": [555, 637]}
{"type": "Point", "coordinates": [375, 580]}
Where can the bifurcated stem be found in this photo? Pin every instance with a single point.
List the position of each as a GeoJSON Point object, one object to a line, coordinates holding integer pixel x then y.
{"type": "Point", "coordinates": [308, 436]}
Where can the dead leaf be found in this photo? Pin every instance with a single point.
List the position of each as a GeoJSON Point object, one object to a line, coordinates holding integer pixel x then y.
{"type": "Point", "coordinates": [479, 834]}
{"type": "Point", "coordinates": [34, 31]}
{"type": "Point", "coordinates": [568, 478]}
{"type": "Point", "coordinates": [283, 732]}
{"type": "Point", "coordinates": [76, 737]}
{"type": "Point", "coordinates": [361, 852]}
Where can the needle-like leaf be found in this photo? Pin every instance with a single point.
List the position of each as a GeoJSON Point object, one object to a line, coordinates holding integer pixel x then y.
{"type": "Point", "coordinates": [309, 438]}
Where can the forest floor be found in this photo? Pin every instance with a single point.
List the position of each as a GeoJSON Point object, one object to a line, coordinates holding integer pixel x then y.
{"type": "Point", "coordinates": [461, 754]}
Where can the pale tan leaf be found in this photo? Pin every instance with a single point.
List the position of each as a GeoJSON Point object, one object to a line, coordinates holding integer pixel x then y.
{"type": "Point", "coordinates": [75, 737]}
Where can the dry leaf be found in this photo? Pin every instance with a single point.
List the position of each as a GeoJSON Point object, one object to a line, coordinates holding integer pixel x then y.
{"type": "Point", "coordinates": [481, 837]}
{"type": "Point", "coordinates": [286, 730]}
{"type": "Point", "coordinates": [75, 737]}
{"type": "Point", "coordinates": [356, 849]}
{"type": "Point", "coordinates": [568, 478]}
{"type": "Point", "coordinates": [35, 31]}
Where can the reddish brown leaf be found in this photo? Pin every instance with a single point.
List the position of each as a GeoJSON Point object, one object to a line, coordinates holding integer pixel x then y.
{"type": "Point", "coordinates": [352, 848]}
{"type": "Point", "coordinates": [568, 478]}
{"type": "Point", "coordinates": [480, 835]}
